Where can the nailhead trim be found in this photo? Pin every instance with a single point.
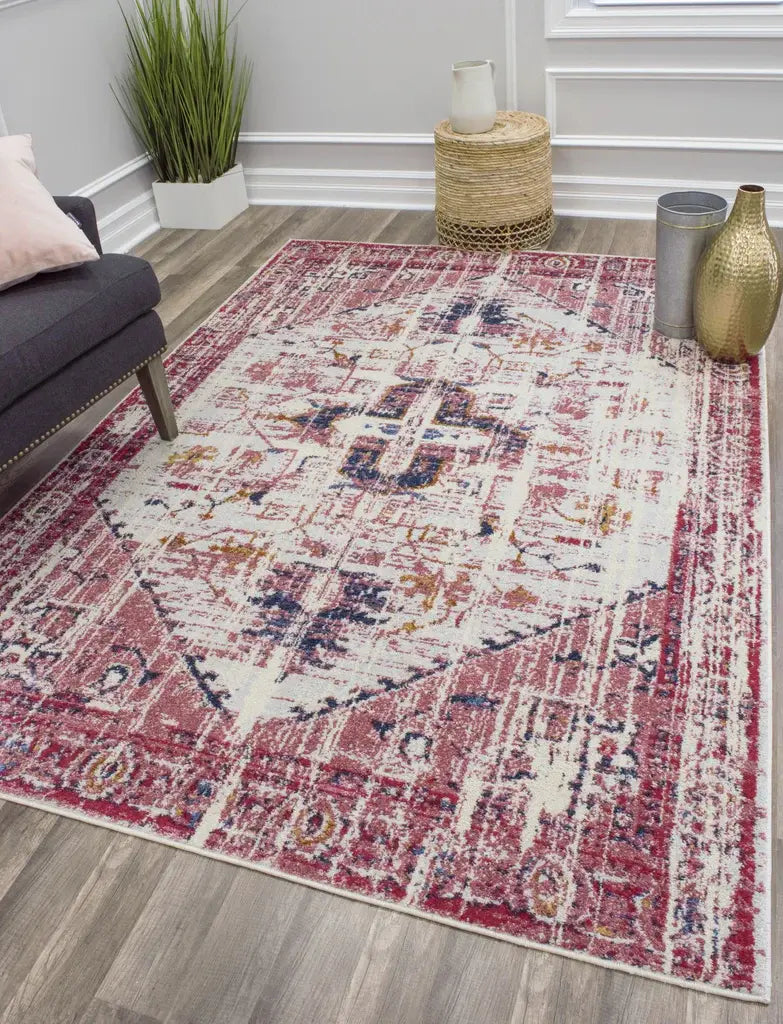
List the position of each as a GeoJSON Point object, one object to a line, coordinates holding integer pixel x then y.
{"type": "Point", "coordinates": [79, 411]}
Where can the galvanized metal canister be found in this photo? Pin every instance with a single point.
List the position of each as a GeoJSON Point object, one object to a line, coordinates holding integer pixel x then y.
{"type": "Point", "coordinates": [686, 222]}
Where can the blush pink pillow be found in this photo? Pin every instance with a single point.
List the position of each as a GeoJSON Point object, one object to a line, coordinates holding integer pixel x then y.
{"type": "Point", "coordinates": [35, 235]}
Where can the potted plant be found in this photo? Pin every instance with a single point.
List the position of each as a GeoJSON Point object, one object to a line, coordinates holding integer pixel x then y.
{"type": "Point", "coordinates": [183, 95]}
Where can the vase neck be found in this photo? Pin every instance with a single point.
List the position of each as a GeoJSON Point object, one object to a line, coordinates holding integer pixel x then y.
{"type": "Point", "coordinates": [749, 205]}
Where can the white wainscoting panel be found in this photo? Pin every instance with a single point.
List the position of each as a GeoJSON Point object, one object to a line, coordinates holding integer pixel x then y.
{"type": "Point", "coordinates": [575, 19]}
{"type": "Point", "coordinates": [679, 108]}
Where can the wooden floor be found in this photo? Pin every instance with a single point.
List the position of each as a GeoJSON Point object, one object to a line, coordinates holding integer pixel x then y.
{"type": "Point", "coordinates": [97, 927]}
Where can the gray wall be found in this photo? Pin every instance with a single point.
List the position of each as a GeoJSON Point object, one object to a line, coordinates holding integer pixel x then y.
{"type": "Point", "coordinates": [57, 58]}
{"type": "Point", "coordinates": [336, 66]}
{"type": "Point", "coordinates": [373, 70]}
{"type": "Point", "coordinates": [339, 66]}
{"type": "Point", "coordinates": [362, 65]}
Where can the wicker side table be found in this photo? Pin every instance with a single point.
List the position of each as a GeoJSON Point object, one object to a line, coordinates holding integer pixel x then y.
{"type": "Point", "coordinates": [494, 191]}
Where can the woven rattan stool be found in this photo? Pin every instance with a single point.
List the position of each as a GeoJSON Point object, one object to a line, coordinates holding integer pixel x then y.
{"type": "Point", "coordinates": [494, 191]}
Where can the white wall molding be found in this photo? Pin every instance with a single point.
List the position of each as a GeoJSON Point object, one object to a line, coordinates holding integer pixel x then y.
{"type": "Point", "coordinates": [371, 188]}
{"type": "Point", "coordinates": [553, 75]}
{"type": "Point", "coordinates": [633, 198]}
{"type": "Point", "coordinates": [511, 54]}
{"type": "Point", "coordinates": [132, 221]}
{"type": "Point", "coordinates": [404, 190]}
{"type": "Point", "coordinates": [575, 19]}
{"type": "Point", "coordinates": [339, 138]}
{"type": "Point", "coordinates": [619, 197]}
{"type": "Point", "coordinates": [113, 177]}
{"type": "Point", "coordinates": [136, 219]}
{"type": "Point", "coordinates": [129, 224]}
{"type": "Point", "coordinates": [636, 198]}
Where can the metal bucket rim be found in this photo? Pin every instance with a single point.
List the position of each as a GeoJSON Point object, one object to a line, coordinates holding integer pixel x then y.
{"type": "Point", "coordinates": [713, 204]}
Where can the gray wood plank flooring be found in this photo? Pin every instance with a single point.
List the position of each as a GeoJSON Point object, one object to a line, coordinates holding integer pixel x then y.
{"type": "Point", "coordinates": [102, 928]}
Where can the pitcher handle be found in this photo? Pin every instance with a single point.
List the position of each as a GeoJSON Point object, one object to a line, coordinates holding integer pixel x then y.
{"type": "Point", "coordinates": [492, 65]}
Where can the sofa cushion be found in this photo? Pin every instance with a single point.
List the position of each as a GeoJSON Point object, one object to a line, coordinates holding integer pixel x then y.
{"type": "Point", "coordinates": [38, 412]}
{"type": "Point", "coordinates": [51, 320]}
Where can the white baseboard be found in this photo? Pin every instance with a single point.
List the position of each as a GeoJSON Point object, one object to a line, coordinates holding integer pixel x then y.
{"type": "Point", "coordinates": [295, 186]}
{"type": "Point", "coordinates": [133, 220]}
{"type": "Point", "coordinates": [636, 198]}
{"type": "Point", "coordinates": [119, 174]}
{"type": "Point", "coordinates": [630, 198]}
{"type": "Point", "coordinates": [129, 224]}
{"type": "Point", "coordinates": [580, 196]}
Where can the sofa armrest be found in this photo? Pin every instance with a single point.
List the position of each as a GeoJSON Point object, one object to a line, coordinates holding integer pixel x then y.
{"type": "Point", "coordinates": [83, 212]}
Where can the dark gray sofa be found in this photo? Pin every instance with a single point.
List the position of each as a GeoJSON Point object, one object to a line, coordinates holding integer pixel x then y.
{"type": "Point", "coordinates": [68, 338]}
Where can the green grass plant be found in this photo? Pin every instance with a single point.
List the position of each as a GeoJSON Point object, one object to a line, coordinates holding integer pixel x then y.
{"type": "Point", "coordinates": [185, 88]}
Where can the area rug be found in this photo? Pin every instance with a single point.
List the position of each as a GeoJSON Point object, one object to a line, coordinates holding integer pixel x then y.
{"type": "Point", "coordinates": [452, 596]}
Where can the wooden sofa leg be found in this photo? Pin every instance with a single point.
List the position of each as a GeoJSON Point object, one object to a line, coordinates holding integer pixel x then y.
{"type": "Point", "coordinates": [152, 379]}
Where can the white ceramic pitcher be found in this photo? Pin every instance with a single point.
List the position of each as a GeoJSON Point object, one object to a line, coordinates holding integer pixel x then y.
{"type": "Point", "coordinates": [473, 105]}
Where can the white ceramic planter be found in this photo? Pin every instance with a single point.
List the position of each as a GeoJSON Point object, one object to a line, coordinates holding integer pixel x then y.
{"type": "Point", "coordinates": [188, 205]}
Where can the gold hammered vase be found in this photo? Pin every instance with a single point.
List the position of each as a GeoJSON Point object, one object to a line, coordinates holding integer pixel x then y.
{"type": "Point", "coordinates": [738, 282]}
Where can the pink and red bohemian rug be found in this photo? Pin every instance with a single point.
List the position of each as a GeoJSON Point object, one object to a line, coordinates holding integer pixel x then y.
{"type": "Point", "coordinates": [452, 594]}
